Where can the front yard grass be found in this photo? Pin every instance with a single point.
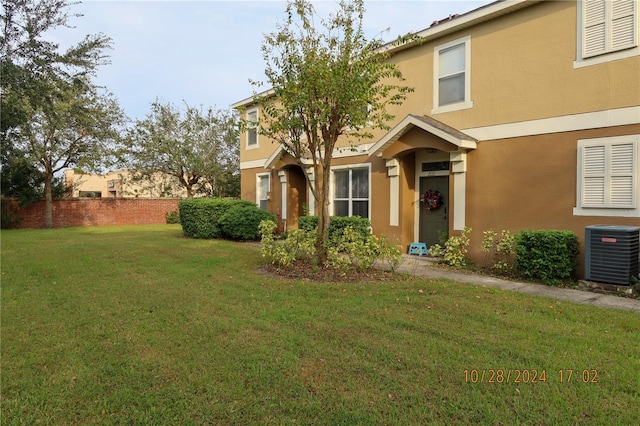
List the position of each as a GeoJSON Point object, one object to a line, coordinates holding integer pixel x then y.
{"type": "Point", "coordinates": [139, 325]}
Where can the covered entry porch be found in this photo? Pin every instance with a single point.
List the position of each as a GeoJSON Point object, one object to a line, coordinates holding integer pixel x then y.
{"type": "Point", "coordinates": [426, 163]}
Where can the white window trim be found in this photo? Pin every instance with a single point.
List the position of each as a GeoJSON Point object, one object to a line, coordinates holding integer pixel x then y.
{"type": "Point", "coordinates": [467, 103]}
{"type": "Point", "coordinates": [602, 58]}
{"type": "Point", "coordinates": [257, 144]}
{"type": "Point", "coordinates": [332, 185]}
{"type": "Point", "coordinates": [259, 197]}
{"type": "Point", "coordinates": [608, 211]}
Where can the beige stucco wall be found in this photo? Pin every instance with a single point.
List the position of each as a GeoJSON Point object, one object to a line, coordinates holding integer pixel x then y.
{"type": "Point", "coordinates": [530, 183]}
{"type": "Point", "coordinates": [119, 184]}
{"type": "Point", "coordinates": [77, 182]}
{"type": "Point", "coordinates": [263, 151]}
{"type": "Point", "coordinates": [248, 183]}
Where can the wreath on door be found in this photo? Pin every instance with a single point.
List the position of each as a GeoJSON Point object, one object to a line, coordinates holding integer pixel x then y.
{"type": "Point", "coordinates": [432, 199]}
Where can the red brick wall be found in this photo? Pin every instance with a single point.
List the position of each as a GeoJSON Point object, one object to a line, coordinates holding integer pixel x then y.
{"type": "Point", "coordinates": [105, 211]}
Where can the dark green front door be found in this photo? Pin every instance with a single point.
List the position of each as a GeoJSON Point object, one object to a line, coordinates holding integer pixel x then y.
{"type": "Point", "coordinates": [434, 222]}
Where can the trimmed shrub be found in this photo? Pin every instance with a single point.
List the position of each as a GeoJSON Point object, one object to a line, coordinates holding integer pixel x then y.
{"type": "Point", "coordinates": [337, 226]}
{"type": "Point", "coordinates": [547, 255]}
{"type": "Point", "coordinates": [199, 216]}
{"type": "Point", "coordinates": [172, 217]}
{"type": "Point", "coordinates": [307, 223]}
{"type": "Point", "coordinates": [241, 222]}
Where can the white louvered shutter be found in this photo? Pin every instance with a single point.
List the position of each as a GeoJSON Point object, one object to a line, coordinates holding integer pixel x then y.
{"type": "Point", "coordinates": [595, 28]}
{"type": "Point", "coordinates": [608, 26]}
{"type": "Point", "coordinates": [622, 171]}
{"type": "Point", "coordinates": [594, 176]}
{"type": "Point", "coordinates": [623, 24]}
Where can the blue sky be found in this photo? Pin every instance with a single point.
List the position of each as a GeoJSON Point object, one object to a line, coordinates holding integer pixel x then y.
{"type": "Point", "coordinates": [205, 52]}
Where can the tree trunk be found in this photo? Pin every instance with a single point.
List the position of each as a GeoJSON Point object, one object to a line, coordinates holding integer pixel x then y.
{"type": "Point", "coordinates": [48, 200]}
{"type": "Point", "coordinates": [322, 240]}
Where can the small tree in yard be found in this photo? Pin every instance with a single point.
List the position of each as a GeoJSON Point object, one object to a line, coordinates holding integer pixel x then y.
{"type": "Point", "coordinates": [326, 82]}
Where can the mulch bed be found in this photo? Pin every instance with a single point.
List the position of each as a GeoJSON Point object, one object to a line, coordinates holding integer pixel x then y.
{"type": "Point", "coordinates": [308, 271]}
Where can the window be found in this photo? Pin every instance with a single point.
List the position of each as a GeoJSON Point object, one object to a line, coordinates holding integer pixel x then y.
{"type": "Point", "coordinates": [608, 173]}
{"type": "Point", "coordinates": [262, 190]}
{"type": "Point", "coordinates": [90, 194]}
{"type": "Point", "coordinates": [608, 26]}
{"type": "Point", "coordinates": [351, 191]}
{"type": "Point", "coordinates": [452, 83]}
{"type": "Point", "coordinates": [252, 129]}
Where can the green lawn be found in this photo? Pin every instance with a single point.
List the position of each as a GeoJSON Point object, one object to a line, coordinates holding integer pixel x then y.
{"type": "Point", "coordinates": [139, 325]}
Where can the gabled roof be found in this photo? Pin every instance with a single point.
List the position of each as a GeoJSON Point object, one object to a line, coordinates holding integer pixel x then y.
{"type": "Point", "coordinates": [271, 161]}
{"type": "Point", "coordinates": [278, 154]}
{"type": "Point", "coordinates": [428, 124]}
{"type": "Point", "coordinates": [252, 99]}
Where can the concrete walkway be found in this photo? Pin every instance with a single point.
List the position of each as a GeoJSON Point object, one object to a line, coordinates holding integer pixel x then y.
{"type": "Point", "coordinates": [422, 266]}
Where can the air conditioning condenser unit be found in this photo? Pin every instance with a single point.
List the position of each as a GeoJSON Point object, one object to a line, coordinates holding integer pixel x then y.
{"type": "Point", "coordinates": [611, 253]}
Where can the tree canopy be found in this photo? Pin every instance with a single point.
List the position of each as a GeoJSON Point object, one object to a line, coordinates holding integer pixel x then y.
{"type": "Point", "coordinates": [198, 147]}
{"type": "Point", "coordinates": [326, 82]}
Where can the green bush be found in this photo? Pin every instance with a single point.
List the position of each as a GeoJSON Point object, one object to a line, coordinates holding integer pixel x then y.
{"type": "Point", "coordinates": [436, 250]}
{"type": "Point", "coordinates": [299, 244]}
{"type": "Point", "coordinates": [547, 255]}
{"type": "Point", "coordinates": [456, 248]}
{"type": "Point", "coordinates": [307, 223]}
{"type": "Point", "coordinates": [9, 213]}
{"type": "Point", "coordinates": [199, 216]}
{"type": "Point", "coordinates": [172, 217]}
{"type": "Point", "coordinates": [241, 222]}
{"type": "Point", "coordinates": [337, 226]}
{"type": "Point", "coordinates": [351, 250]}
{"type": "Point", "coordinates": [498, 253]}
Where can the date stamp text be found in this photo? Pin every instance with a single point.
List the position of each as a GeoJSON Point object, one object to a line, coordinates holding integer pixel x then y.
{"type": "Point", "coordinates": [530, 376]}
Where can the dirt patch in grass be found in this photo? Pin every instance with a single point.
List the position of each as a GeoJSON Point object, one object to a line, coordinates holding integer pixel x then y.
{"type": "Point", "coordinates": [308, 271]}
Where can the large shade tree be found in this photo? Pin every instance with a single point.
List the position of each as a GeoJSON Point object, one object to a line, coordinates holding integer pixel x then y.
{"type": "Point", "coordinates": [198, 147]}
{"type": "Point", "coordinates": [325, 82]}
{"type": "Point", "coordinates": [56, 116]}
{"type": "Point", "coordinates": [21, 180]}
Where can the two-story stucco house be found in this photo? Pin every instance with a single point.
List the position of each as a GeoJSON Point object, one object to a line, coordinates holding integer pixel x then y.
{"type": "Point", "coordinates": [525, 115]}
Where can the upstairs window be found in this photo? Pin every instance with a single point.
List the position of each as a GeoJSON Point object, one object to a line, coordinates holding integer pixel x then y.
{"type": "Point", "coordinates": [252, 129]}
{"type": "Point", "coordinates": [607, 26]}
{"type": "Point", "coordinates": [452, 83]}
